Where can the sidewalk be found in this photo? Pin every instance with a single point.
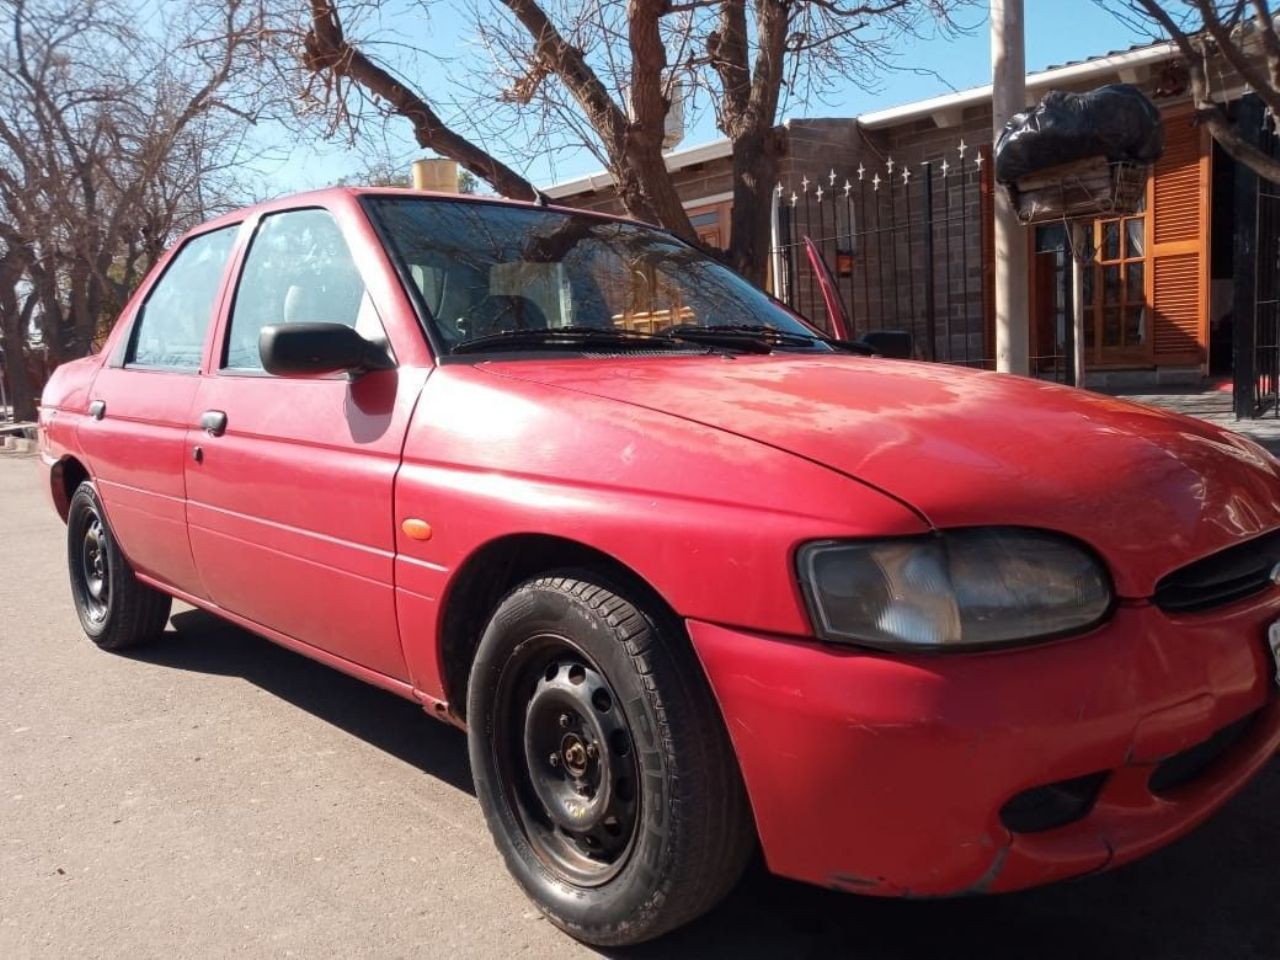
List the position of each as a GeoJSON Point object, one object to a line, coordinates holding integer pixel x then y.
{"type": "Point", "coordinates": [1212, 405]}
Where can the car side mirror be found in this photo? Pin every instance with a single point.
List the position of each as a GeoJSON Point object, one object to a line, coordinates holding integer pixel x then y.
{"type": "Point", "coordinates": [308, 349]}
{"type": "Point", "coordinates": [894, 344]}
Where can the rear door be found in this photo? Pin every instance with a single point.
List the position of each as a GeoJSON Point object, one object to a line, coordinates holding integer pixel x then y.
{"type": "Point", "coordinates": [140, 407]}
{"type": "Point", "coordinates": [290, 503]}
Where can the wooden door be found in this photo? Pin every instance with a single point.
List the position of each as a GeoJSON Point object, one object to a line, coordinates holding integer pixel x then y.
{"type": "Point", "coordinates": [711, 223]}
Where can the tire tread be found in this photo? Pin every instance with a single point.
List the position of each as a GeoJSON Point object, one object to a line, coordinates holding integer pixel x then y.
{"type": "Point", "coordinates": [138, 612]}
{"type": "Point", "coordinates": [708, 812]}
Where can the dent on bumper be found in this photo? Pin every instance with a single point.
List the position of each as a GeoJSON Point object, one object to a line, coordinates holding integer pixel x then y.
{"type": "Point", "coordinates": [886, 775]}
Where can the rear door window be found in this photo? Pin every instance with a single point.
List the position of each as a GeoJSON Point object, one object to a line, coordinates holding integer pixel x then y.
{"type": "Point", "coordinates": [173, 322]}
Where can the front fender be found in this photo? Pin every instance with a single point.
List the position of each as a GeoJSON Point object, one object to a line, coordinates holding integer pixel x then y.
{"type": "Point", "coordinates": [708, 519]}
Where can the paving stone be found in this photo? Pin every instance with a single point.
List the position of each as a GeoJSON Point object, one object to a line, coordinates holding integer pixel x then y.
{"type": "Point", "coordinates": [1214, 406]}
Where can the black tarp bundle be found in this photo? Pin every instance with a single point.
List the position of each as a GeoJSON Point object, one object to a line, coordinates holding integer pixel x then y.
{"type": "Point", "coordinates": [1116, 121]}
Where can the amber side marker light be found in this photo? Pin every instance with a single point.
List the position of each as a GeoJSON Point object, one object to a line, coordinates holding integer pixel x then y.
{"type": "Point", "coordinates": [416, 529]}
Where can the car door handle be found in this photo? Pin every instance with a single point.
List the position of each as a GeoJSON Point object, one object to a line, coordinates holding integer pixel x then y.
{"type": "Point", "coordinates": [213, 422]}
{"type": "Point", "coordinates": [98, 409]}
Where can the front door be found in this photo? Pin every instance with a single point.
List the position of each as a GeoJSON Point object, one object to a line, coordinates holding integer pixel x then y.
{"type": "Point", "coordinates": [140, 406]}
{"type": "Point", "coordinates": [290, 505]}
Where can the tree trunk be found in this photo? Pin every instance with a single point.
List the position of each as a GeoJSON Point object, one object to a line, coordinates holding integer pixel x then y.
{"type": "Point", "coordinates": [18, 388]}
{"type": "Point", "coordinates": [647, 177]}
{"type": "Point", "coordinates": [756, 156]}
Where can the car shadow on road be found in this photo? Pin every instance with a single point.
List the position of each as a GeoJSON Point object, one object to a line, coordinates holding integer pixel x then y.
{"type": "Point", "coordinates": [204, 643]}
{"type": "Point", "coordinates": [1210, 895]}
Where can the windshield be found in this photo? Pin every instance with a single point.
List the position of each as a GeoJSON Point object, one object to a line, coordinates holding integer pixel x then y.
{"type": "Point", "coordinates": [490, 269]}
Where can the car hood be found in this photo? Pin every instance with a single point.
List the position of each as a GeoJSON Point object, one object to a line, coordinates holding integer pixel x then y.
{"type": "Point", "coordinates": [1149, 490]}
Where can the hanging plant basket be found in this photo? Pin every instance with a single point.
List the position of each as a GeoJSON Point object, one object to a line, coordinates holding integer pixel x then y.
{"type": "Point", "coordinates": [1088, 188]}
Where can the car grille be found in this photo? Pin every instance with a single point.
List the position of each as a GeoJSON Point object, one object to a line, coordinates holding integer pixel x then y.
{"type": "Point", "coordinates": [1224, 577]}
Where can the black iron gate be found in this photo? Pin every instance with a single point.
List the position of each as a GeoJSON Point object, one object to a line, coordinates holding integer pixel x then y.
{"type": "Point", "coordinates": [910, 247]}
{"type": "Point", "coordinates": [906, 243]}
{"type": "Point", "coordinates": [1256, 264]}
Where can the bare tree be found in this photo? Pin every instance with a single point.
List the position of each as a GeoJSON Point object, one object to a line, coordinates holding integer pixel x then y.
{"type": "Point", "coordinates": [112, 141]}
{"type": "Point", "coordinates": [1238, 33]}
{"type": "Point", "coordinates": [604, 75]}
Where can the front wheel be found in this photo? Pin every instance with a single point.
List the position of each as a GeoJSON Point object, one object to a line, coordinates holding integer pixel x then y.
{"type": "Point", "coordinates": [602, 764]}
{"type": "Point", "coordinates": [116, 609]}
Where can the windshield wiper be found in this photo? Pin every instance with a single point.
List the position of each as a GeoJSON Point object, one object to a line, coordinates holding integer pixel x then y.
{"type": "Point", "coordinates": [757, 337]}
{"type": "Point", "coordinates": [756, 331]}
{"type": "Point", "coordinates": [570, 336]}
{"type": "Point", "coordinates": [771, 336]}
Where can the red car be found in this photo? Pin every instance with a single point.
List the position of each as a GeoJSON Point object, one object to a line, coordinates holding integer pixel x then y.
{"type": "Point", "coordinates": [692, 577]}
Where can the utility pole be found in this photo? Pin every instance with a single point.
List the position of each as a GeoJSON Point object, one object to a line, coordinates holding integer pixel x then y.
{"type": "Point", "coordinates": [1008, 96]}
{"type": "Point", "coordinates": [1075, 244]}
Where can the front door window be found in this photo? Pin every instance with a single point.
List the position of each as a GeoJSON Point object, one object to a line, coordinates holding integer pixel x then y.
{"type": "Point", "coordinates": [298, 270]}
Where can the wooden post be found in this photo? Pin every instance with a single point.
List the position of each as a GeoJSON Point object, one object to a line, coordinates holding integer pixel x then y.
{"type": "Point", "coordinates": [1009, 96]}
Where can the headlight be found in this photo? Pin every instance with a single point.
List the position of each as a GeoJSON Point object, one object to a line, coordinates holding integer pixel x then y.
{"type": "Point", "coordinates": [959, 589]}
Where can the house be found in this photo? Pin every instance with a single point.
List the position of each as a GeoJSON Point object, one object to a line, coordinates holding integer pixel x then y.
{"type": "Point", "coordinates": [900, 201]}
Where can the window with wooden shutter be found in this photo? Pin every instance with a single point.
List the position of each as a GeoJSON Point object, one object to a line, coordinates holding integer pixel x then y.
{"type": "Point", "coordinates": [1179, 232]}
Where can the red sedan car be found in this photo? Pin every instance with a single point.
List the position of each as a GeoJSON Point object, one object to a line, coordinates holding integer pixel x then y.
{"type": "Point", "coordinates": [691, 576]}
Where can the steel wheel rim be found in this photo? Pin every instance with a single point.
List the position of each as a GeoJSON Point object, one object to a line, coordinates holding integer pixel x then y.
{"type": "Point", "coordinates": [567, 761]}
{"type": "Point", "coordinates": [95, 570]}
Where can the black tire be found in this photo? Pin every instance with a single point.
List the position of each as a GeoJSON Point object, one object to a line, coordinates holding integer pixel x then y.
{"type": "Point", "coordinates": [677, 844]}
{"type": "Point", "coordinates": [116, 609]}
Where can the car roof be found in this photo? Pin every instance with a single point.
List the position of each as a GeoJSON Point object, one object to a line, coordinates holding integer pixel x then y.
{"type": "Point", "coordinates": [328, 194]}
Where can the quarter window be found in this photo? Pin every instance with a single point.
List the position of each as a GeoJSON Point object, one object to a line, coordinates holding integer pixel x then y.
{"type": "Point", "coordinates": [298, 270]}
{"type": "Point", "coordinates": [174, 320]}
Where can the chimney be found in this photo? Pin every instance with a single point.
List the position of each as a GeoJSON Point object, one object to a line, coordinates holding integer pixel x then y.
{"type": "Point", "coordinates": [436, 175]}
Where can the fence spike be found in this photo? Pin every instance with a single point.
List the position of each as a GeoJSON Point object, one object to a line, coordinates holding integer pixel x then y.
{"type": "Point", "coordinates": [906, 175]}
{"type": "Point", "coordinates": [804, 184]}
{"type": "Point", "coordinates": [818, 193]}
{"type": "Point", "coordinates": [862, 171]}
{"type": "Point", "coordinates": [847, 186]}
{"type": "Point", "coordinates": [962, 148]}
{"type": "Point", "coordinates": [875, 182]}
{"type": "Point", "coordinates": [889, 165]}
{"type": "Point", "coordinates": [793, 198]}
{"type": "Point", "coordinates": [944, 167]}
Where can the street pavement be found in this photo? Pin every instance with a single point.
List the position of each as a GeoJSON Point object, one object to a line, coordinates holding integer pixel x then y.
{"type": "Point", "coordinates": [217, 796]}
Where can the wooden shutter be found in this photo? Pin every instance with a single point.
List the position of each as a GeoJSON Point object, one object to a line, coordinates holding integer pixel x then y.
{"type": "Point", "coordinates": [1179, 272]}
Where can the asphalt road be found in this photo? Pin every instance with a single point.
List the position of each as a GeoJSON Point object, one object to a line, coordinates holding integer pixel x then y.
{"type": "Point", "coordinates": [217, 796]}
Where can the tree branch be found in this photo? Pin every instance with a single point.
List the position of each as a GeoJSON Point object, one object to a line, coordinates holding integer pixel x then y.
{"type": "Point", "coordinates": [326, 49]}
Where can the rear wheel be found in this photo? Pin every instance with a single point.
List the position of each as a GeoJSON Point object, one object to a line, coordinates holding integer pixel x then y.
{"type": "Point", "coordinates": [115, 608]}
{"type": "Point", "coordinates": [602, 764]}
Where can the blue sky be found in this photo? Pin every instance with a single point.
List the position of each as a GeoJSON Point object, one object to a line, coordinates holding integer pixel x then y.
{"type": "Point", "coordinates": [1056, 31]}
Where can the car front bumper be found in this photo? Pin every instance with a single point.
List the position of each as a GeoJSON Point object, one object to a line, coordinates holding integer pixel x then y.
{"type": "Point", "coordinates": [887, 774]}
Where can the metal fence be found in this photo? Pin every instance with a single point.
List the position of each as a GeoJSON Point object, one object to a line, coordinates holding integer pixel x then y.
{"type": "Point", "coordinates": [1256, 265]}
{"type": "Point", "coordinates": [1266, 320]}
{"type": "Point", "coordinates": [909, 245]}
